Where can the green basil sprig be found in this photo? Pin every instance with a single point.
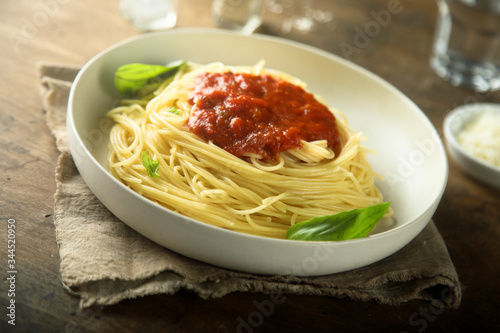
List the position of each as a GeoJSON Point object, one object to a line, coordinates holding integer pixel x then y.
{"type": "Point", "coordinates": [150, 164]}
{"type": "Point", "coordinates": [174, 110]}
{"type": "Point", "coordinates": [356, 223]}
{"type": "Point", "coordinates": [132, 77]}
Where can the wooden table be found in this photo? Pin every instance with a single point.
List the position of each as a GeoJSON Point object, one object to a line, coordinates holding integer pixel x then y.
{"type": "Point", "coordinates": [73, 31]}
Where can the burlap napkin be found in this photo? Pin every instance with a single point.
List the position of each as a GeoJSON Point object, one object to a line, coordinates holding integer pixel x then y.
{"type": "Point", "coordinates": [104, 261]}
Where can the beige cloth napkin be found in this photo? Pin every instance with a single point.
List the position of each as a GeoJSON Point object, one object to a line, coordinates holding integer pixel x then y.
{"type": "Point", "coordinates": [104, 261]}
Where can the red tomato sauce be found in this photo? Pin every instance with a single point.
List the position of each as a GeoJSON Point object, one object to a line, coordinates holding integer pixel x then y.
{"type": "Point", "coordinates": [258, 114]}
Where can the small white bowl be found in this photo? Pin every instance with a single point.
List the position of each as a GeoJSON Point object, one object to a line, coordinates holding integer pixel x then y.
{"type": "Point", "coordinates": [454, 124]}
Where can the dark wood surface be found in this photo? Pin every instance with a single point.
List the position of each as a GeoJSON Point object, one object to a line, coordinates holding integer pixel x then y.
{"type": "Point", "coordinates": [73, 31]}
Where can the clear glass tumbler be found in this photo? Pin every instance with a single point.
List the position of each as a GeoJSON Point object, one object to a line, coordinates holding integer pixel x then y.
{"type": "Point", "coordinates": [241, 15]}
{"type": "Point", "coordinates": [146, 15]}
{"type": "Point", "coordinates": [466, 48]}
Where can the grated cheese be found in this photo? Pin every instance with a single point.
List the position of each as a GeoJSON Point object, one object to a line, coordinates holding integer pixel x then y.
{"type": "Point", "coordinates": [482, 137]}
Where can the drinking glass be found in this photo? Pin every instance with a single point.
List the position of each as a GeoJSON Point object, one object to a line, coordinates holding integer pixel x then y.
{"type": "Point", "coordinates": [146, 15]}
{"type": "Point", "coordinates": [242, 15]}
{"type": "Point", "coordinates": [466, 48]}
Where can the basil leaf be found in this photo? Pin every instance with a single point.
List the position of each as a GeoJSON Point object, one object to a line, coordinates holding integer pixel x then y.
{"type": "Point", "coordinates": [132, 77]}
{"type": "Point", "coordinates": [174, 110]}
{"type": "Point", "coordinates": [150, 164]}
{"type": "Point", "coordinates": [356, 223]}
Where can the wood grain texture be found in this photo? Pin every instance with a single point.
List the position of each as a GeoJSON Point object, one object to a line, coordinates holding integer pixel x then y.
{"type": "Point", "coordinates": [72, 32]}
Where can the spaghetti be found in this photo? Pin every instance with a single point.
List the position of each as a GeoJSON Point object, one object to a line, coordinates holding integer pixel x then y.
{"type": "Point", "coordinates": [246, 193]}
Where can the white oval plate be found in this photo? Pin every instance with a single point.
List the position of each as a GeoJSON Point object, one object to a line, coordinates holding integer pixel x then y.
{"type": "Point", "coordinates": [410, 154]}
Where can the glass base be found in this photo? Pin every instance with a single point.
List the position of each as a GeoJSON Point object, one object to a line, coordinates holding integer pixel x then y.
{"type": "Point", "coordinates": [244, 16]}
{"type": "Point", "coordinates": [479, 76]}
{"type": "Point", "coordinates": [148, 15]}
